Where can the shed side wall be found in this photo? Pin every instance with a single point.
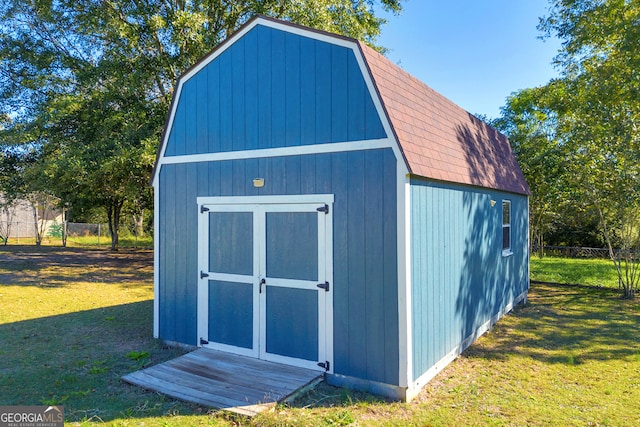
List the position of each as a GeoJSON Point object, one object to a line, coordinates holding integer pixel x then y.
{"type": "Point", "coordinates": [364, 235]}
{"type": "Point", "coordinates": [460, 278]}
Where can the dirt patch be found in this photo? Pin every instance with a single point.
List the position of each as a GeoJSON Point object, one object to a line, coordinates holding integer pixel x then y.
{"type": "Point", "coordinates": [55, 266]}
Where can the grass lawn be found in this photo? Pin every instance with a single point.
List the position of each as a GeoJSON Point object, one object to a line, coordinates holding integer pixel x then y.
{"type": "Point", "coordinates": [590, 272]}
{"type": "Point", "coordinates": [73, 321]}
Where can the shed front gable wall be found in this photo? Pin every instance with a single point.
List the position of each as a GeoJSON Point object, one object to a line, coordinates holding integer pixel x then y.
{"type": "Point", "coordinates": [365, 338]}
{"type": "Point", "coordinates": [272, 89]}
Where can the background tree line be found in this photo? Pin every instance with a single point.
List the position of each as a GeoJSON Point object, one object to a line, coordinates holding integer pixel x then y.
{"type": "Point", "coordinates": [577, 138]}
{"type": "Point", "coordinates": [85, 87]}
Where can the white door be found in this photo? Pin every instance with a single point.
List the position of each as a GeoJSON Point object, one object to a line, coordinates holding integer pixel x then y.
{"type": "Point", "coordinates": [264, 279]}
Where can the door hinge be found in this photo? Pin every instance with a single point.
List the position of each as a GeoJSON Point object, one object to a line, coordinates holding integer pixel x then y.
{"type": "Point", "coordinates": [324, 286]}
{"type": "Point", "coordinates": [324, 209]}
{"type": "Point", "coordinates": [203, 274]}
{"type": "Point", "coordinates": [324, 365]}
{"type": "Point", "coordinates": [203, 341]}
{"type": "Point", "coordinates": [204, 209]}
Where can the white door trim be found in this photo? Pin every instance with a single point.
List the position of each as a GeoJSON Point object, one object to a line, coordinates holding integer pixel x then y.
{"type": "Point", "coordinates": [259, 206]}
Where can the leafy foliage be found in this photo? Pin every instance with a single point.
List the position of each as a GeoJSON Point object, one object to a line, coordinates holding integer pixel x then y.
{"type": "Point", "coordinates": [593, 116]}
{"type": "Point", "coordinates": [89, 82]}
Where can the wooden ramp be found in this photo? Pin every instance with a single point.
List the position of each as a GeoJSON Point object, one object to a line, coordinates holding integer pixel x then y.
{"type": "Point", "coordinates": [240, 384]}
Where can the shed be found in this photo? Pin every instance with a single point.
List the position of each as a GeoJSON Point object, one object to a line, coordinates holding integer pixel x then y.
{"type": "Point", "coordinates": [316, 205]}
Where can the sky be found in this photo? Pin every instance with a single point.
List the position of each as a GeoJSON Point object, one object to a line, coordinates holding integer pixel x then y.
{"type": "Point", "coordinates": [474, 52]}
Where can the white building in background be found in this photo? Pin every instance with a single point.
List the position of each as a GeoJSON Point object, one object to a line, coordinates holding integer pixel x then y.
{"type": "Point", "coordinates": [24, 217]}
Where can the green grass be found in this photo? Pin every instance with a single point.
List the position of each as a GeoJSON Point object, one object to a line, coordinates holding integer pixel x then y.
{"type": "Point", "coordinates": [125, 241]}
{"type": "Point", "coordinates": [590, 272]}
{"type": "Point", "coordinates": [73, 321]}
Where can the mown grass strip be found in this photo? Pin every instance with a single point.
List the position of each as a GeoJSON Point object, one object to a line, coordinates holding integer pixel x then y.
{"type": "Point", "coordinates": [588, 272]}
{"type": "Point", "coordinates": [72, 322]}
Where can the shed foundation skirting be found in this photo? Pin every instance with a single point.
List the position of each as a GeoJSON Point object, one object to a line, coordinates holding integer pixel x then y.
{"type": "Point", "coordinates": [450, 357]}
{"type": "Point", "coordinates": [381, 389]}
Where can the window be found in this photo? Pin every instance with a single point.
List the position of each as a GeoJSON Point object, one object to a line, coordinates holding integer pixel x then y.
{"type": "Point", "coordinates": [506, 227]}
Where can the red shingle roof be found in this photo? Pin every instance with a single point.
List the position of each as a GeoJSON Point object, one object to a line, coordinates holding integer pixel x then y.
{"type": "Point", "coordinates": [439, 139]}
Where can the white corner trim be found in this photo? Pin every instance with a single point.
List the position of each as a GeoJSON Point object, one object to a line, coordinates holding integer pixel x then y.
{"type": "Point", "coordinates": [156, 261]}
{"type": "Point", "coordinates": [405, 354]}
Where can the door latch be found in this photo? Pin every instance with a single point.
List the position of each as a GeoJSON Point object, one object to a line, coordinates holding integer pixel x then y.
{"type": "Point", "coordinates": [262, 282]}
{"type": "Point", "coordinates": [324, 286]}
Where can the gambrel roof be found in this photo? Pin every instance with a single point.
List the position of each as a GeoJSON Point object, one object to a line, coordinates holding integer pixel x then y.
{"type": "Point", "coordinates": [439, 139]}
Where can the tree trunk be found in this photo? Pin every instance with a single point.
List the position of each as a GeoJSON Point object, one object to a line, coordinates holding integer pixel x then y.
{"type": "Point", "coordinates": [64, 228]}
{"type": "Point", "coordinates": [34, 208]}
{"type": "Point", "coordinates": [139, 224]}
{"type": "Point", "coordinates": [113, 215]}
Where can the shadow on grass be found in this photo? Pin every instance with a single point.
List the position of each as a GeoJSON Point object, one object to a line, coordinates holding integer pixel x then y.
{"type": "Point", "coordinates": [77, 360]}
{"type": "Point", "coordinates": [569, 325]}
{"type": "Point", "coordinates": [48, 266]}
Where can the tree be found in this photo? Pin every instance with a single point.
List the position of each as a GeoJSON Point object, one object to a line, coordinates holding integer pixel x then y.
{"type": "Point", "coordinates": [92, 80]}
{"type": "Point", "coordinates": [529, 121]}
{"type": "Point", "coordinates": [599, 119]}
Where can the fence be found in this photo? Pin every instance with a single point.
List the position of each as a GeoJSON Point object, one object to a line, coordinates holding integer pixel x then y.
{"type": "Point", "coordinates": [25, 231]}
{"type": "Point", "coordinates": [578, 252]}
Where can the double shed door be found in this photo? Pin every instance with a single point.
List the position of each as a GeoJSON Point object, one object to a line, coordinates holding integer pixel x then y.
{"type": "Point", "coordinates": [264, 289]}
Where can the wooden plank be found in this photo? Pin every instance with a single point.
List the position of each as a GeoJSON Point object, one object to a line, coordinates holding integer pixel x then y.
{"type": "Point", "coordinates": [172, 388]}
{"type": "Point", "coordinates": [201, 111]}
{"type": "Point", "coordinates": [278, 89]}
{"type": "Point", "coordinates": [255, 367]}
{"type": "Point", "coordinates": [191, 389]}
{"type": "Point", "coordinates": [213, 106]}
{"type": "Point", "coordinates": [221, 392]}
{"type": "Point", "coordinates": [308, 91]}
{"type": "Point", "coordinates": [355, 101]}
{"type": "Point", "coordinates": [264, 87]}
{"type": "Point", "coordinates": [230, 382]}
{"type": "Point", "coordinates": [323, 93]}
{"type": "Point", "coordinates": [374, 267]}
{"type": "Point", "coordinates": [225, 111]}
{"type": "Point", "coordinates": [339, 90]}
{"type": "Point", "coordinates": [231, 376]}
{"type": "Point", "coordinates": [390, 272]}
{"type": "Point", "coordinates": [190, 116]}
{"type": "Point", "coordinates": [341, 334]}
{"type": "Point", "coordinates": [181, 303]}
{"type": "Point", "coordinates": [357, 291]}
{"type": "Point", "coordinates": [251, 72]}
{"type": "Point", "coordinates": [292, 90]}
{"type": "Point", "coordinates": [238, 114]}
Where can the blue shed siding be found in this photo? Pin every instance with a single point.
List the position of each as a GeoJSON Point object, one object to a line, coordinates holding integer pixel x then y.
{"type": "Point", "coordinates": [365, 266]}
{"type": "Point", "coordinates": [460, 279]}
{"type": "Point", "coordinates": [274, 89]}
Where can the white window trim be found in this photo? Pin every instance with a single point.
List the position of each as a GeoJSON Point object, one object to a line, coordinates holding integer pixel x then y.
{"type": "Point", "coordinates": [508, 251]}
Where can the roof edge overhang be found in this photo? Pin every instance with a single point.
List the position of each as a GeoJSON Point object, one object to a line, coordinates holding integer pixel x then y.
{"type": "Point", "coordinates": [525, 192]}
